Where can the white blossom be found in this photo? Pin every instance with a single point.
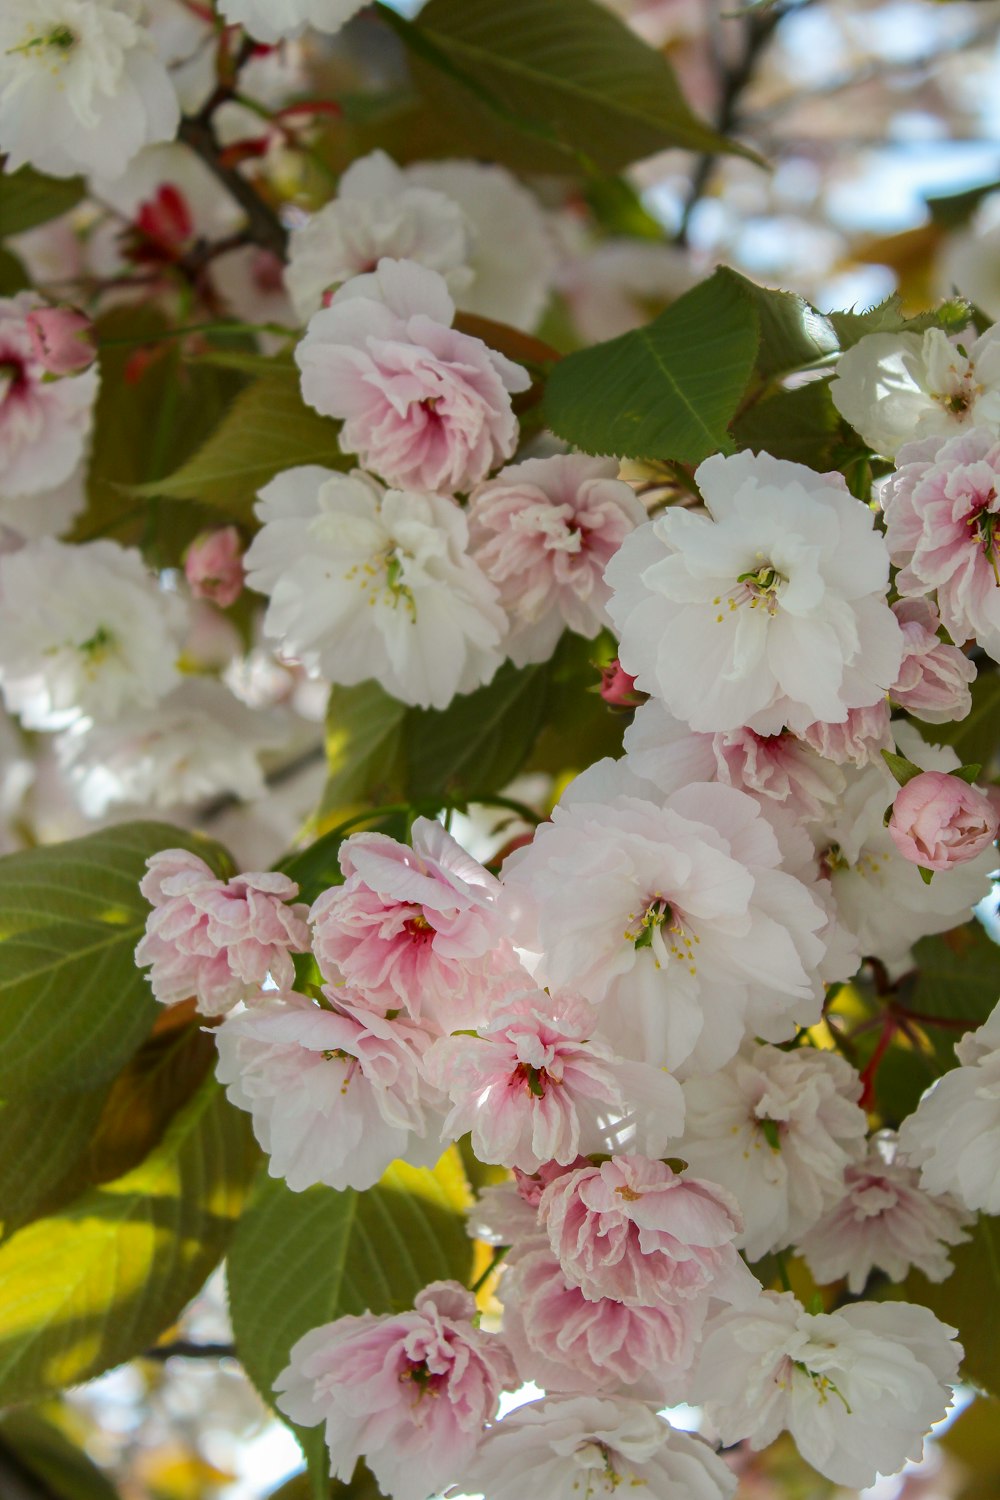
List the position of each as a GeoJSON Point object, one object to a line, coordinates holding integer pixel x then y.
{"type": "Point", "coordinates": [895, 387]}
{"type": "Point", "coordinates": [767, 610]}
{"type": "Point", "coordinates": [81, 87]}
{"type": "Point", "coordinates": [857, 1389]}
{"type": "Point", "coordinates": [84, 630]}
{"type": "Point", "coordinates": [777, 1129]}
{"type": "Point", "coordinates": [273, 20]}
{"type": "Point", "coordinates": [366, 582]}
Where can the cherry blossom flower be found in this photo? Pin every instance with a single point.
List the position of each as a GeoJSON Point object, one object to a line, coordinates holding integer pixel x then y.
{"type": "Point", "coordinates": [942, 510]}
{"type": "Point", "coordinates": [213, 566]}
{"type": "Point", "coordinates": [897, 387]}
{"type": "Point", "coordinates": [634, 1230]}
{"type": "Point", "coordinates": [565, 1341]}
{"type": "Point", "coordinates": [81, 87]}
{"type": "Point", "coordinates": [668, 914]}
{"type": "Point", "coordinates": [596, 1446]}
{"type": "Point", "coordinates": [198, 742]}
{"type": "Point", "coordinates": [953, 1135]}
{"type": "Point", "coordinates": [217, 940]}
{"type": "Point", "coordinates": [423, 406]}
{"type": "Point", "coordinates": [939, 821]}
{"type": "Point", "coordinates": [372, 583]}
{"type": "Point", "coordinates": [933, 682]}
{"type": "Point", "coordinates": [618, 688]}
{"type": "Point", "coordinates": [543, 531]}
{"type": "Point", "coordinates": [336, 1096]}
{"type": "Point", "coordinates": [274, 20]}
{"type": "Point", "coordinates": [409, 1392]}
{"type": "Point", "coordinates": [777, 1129]}
{"type": "Point", "coordinates": [63, 339]}
{"type": "Point", "coordinates": [765, 611]}
{"type": "Point", "coordinates": [536, 1085]}
{"type": "Point", "coordinates": [857, 1389]}
{"type": "Point", "coordinates": [44, 424]}
{"type": "Point", "coordinates": [885, 1222]}
{"type": "Point", "coordinates": [378, 212]}
{"type": "Point", "coordinates": [415, 926]}
{"type": "Point", "coordinates": [857, 740]}
{"type": "Point", "coordinates": [781, 769]}
{"type": "Point", "coordinates": [112, 644]}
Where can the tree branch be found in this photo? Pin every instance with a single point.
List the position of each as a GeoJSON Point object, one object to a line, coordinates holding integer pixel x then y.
{"type": "Point", "coordinates": [264, 227]}
{"type": "Point", "coordinates": [185, 1349]}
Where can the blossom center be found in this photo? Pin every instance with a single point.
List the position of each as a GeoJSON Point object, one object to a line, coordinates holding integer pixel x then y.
{"type": "Point", "coordinates": [535, 1080]}
{"type": "Point", "coordinates": [824, 1385]}
{"type": "Point", "coordinates": [419, 929]}
{"type": "Point", "coordinates": [659, 928]}
{"type": "Point", "coordinates": [426, 1383]}
{"type": "Point", "coordinates": [983, 526]}
{"type": "Point", "coordinates": [59, 39]}
{"type": "Point", "coordinates": [759, 587]}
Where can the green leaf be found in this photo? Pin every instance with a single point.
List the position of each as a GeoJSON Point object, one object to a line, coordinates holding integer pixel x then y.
{"type": "Point", "coordinates": [958, 976]}
{"type": "Point", "coordinates": [977, 736]}
{"type": "Point", "coordinates": [267, 429]}
{"type": "Point", "coordinates": [792, 333]}
{"type": "Point", "coordinates": [364, 744]}
{"type": "Point", "coordinates": [13, 276]}
{"type": "Point", "coordinates": [481, 740]}
{"type": "Point", "coordinates": [28, 198]}
{"type": "Point", "coordinates": [97, 1284]}
{"type": "Point", "coordinates": [73, 1005]}
{"type": "Point", "coordinates": [968, 774]}
{"type": "Point", "coordinates": [801, 425]}
{"type": "Point", "coordinates": [668, 390]}
{"type": "Point", "coordinates": [970, 1301]}
{"type": "Point", "coordinates": [43, 1452]}
{"type": "Point", "coordinates": [888, 317]}
{"type": "Point", "coordinates": [302, 1259]}
{"type": "Point", "coordinates": [902, 769]}
{"type": "Point", "coordinates": [40, 1144]}
{"type": "Point", "coordinates": [571, 76]}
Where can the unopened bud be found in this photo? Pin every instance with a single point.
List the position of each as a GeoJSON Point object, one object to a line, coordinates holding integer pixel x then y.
{"type": "Point", "coordinates": [618, 688]}
{"type": "Point", "coordinates": [63, 339]}
{"type": "Point", "coordinates": [214, 566]}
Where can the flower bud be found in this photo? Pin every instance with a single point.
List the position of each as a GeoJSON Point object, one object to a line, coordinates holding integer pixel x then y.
{"type": "Point", "coordinates": [939, 821]}
{"type": "Point", "coordinates": [62, 338]}
{"type": "Point", "coordinates": [213, 566]}
{"type": "Point", "coordinates": [618, 688]}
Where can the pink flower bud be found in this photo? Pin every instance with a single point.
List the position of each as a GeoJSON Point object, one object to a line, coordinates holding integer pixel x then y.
{"type": "Point", "coordinates": [939, 821]}
{"type": "Point", "coordinates": [213, 566]}
{"type": "Point", "coordinates": [618, 688]}
{"type": "Point", "coordinates": [62, 338]}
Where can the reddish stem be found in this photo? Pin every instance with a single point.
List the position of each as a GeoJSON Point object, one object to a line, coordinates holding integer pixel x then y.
{"type": "Point", "coordinates": [870, 1071]}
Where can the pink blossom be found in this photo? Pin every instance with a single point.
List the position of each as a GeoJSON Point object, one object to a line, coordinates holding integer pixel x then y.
{"type": "Point", "coordinates": [412, 926]}
{"type": "Point", "coordinates": [213, 566]}
{"type": "Point", "coordinates": [213, 939]}
{"type": "Point", "coordinates": [858, 740]}
{"type": "Point", "coordinates": [537, 1086]}
{"type": "Point", "coordinates": [884, 1222]}
{"type": "Point", "coordinates": [942, 509]}
{"type": "Point", "coordinates": [634, 1230]}
{"type": "Point", "coordinates": [44, 424]}
{"type": "Point", "coordinates": [410, 1392]}
{"type": "Point", "coordinates": [939, 821]}
{"type": "Point", "coordinates": [618, 687]}
{"type": "Point", "coordinates": [63, 339]}
{"type": "Point", "coordinates": [336, 1096]}
{"type": "Point", "coordinates": [544, 531]}
{"type": "Point", "coordinates": [424, 406]}
{"type": "Point", "coordinates": [934, 678]}
{"type": "Point", "coordinates": [506, 1213]}
{"type": "Point", "coordinates": [565, 1341]}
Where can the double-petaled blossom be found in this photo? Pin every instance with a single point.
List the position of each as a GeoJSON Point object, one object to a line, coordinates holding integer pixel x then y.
{"type": "Point", "coordinates": [81, 86]}
{"type": "Point", "coordinates": [942, 511]}
{"type": "Point", "coordinates": [373, 583]}
{"type": "Point", "coordinates": [884, 1222]}
{"type": "Point", "coordinates": [543, 531]}
{"type": "Point", "coordinates": [335, 1095]}
{"type": "Point", "coordinates": [939, 821]}
{"type": "Point", "coordinates": [112, 644]}
{"type": "Point", "coordinates": [777, 1129]}
{"type": "Point", "coordinates": [897, 387]}
{"type": "Point", "coordinates": [44, 425]}
{"type": "Point", "coordinates": [217, 940]}
{"type": "Point", "coordinates": [634, 1230]}
{"type": "Point", "coordinates": [409, 1392]}
{"type": "Point", "coordinates": [595, 1447]}
{"type": "Point", "coordinates": [536, 1086]}
{"type": "Point", "coordinates": [423, 406]}
{"type": "Point", "coordinates": [412, 925]}
{"type": "Point", "coordinates": [953, 1135]}
{"type": "Point", "coordinates": [563, 1340]}
{"type": "Point", "coordinates": [767, 610]}
{"type": "Point", "coordinates": [857, 1389]}
{"type": "Point", "coordinates": [934, 678]}
{"type": "Point", "coordinates": [670, 914]}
